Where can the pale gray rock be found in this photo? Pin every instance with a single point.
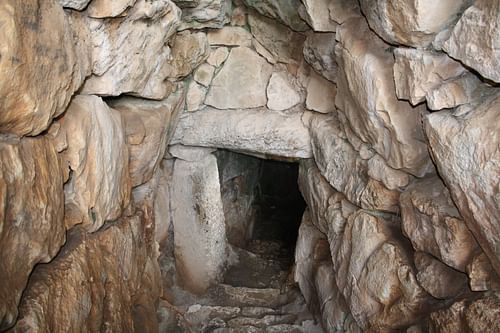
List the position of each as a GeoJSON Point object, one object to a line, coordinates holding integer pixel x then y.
{"type": "Point", "coordinates": [344, 169]}
{"type": "Point", "coordinates": [260, 49]}
{"type": "Point", "coordinates": [411, 22]}
{"type": "Point", "coordinates": [206, 14]}
{"type": "Point", "coordinates": [320, 94]}
{"type": "Point", "coordinates": [195, 96]}
{"type": "Point", "coordinates": [475, 40]}
{"type": "Point", "coordinates": [204, 74]}
{"type": "Point", "coordinates": [189, 50]}
{"type": "Point", "coordinates": [241, 83]}
{"type": "Point", "coordinates": [162, 201]}
{"type": "Point", "coordinates": [391, 178]}
{"type": "Point", "coordinates": [342, 10]}
{"type": "Point", "coordinates": [217, 56]}
{"type": "Point", "coordinates": [106, 8]}
{"type": "Point", "coordinates": [91, 140]}
{"type": "Point", "coordinates": [116, 68]}
{"type": "Point", "coordinates": [366, 96]}
{"type": "Point", "coordinates": [40, 66]}
{"type": "Point", "coordinates": [148, 126]}
{"type": "Point", "coordinates": [285, 12]}
{"type": "Point", "coordinates": [74, 4]}
{"type": "Point", "coordinates": [189, 153]}
{"type": "Point", "coordinates": [32, 228]}
{"type": "Point", "coordinates": [317, 15]}
{"type": "Point", "coordinates": [319, 52]}
{"type": "Point", "coordinates": [433, 224]}
{"type": "Point", "coordinates": [230, 36]}
{"type": "Point", "coordinates": [464, 145]}
{"type": "Point", "coordinates": [257, 131]}
{"type": "Point", "coordinates": [455, 92]}
{"type": "Point", "coordinates": [198, 219]}
{"type": "Point", "coordinates": [284, 44]}
{"type": "Point", "coordinates": [281, 94]}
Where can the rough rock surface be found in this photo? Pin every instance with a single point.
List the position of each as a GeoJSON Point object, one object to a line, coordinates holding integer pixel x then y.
{"type": "Point", "coordinates": [31, 215]}
{"type": "Point", "coordinates": [91, 140]}
{"type": "Point", "coordinates": [103, 8]}
{"type": "Point", "coordinates": [257, 131]}
{"type": "Point", "coordinates": [74, 4]}
{"type": "Point", "coordinates": [189, 50]}
{"type": "Point", "coordinates": [37, 46]}
{"type": "Point", "coordinates": [205, 14]}
{"type": "Point", "coordinates": [320, 94]}
{"type": "Point", "coordinates": [319, 52]}
{"type": "Point", "coordinates": [117, 289]}
{"type": "Point", "coordinates": [284, 11]}
{"type": "Point", "coordinates": [316, 13]}
{"type": "Point", "coordinates": [475, 40]}
{"type": "Point", "coordinates": [464, 146]}
{"type": "Point", "coordinates": [198, 219]}
{"type": "Point", "coordinates": [281, 94]}
{"type": "Point", "coordinates": [115, 67]}
{"type": "Point", "coordinates": [366, 96]}
{"type": "Point", "coordinates": [411, 22]}
{"type": "Point", "coordinates": [242, 82]}
{"type": "Point", "coordinates": [230, 36]}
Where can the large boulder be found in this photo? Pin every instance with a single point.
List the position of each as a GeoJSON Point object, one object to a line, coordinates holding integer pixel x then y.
{"type": "Point", "coordinates": [31, 216]}
{"type": "Point", "coordinates": [464, 145]}
{"type": "Point", "coordinates": [40, 69]}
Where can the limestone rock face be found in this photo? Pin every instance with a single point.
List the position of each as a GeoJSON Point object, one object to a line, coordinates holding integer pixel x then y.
{"type": "Point", "coordinates": [432, 223]}
{"type": "Point", "coordinates": [342, 10]}
{"type": "Point", "coordinates": [37, 46]}
{"type": "Point", "coordinates": [104, 8]}
{"type": "Point", "coordinates": [205, 14]}
{"type": "Point", "coordinates": [148, 126]}
{"type": "Point", "coordinates": [316, 13]}
{"type": "Point", "coordinates": [31, 215]}
{"type": "Point", "coordinates": [116, 68]}
{"type": "Point", "coordinates": [411, 22]}
{"type": "Point", "coordinates": [320, 94]}
{"type": "Point", "coordinates": [464, 146]}
{"type": "Point", "coordinates": [469, 315]}
{"type": "Point", "coordinates": [284, 44]}
{"type": "Point", "coordinates": [257, 131]}
{"type": "Point", "coordinates": [366, 96]}
{"type": "Point", "coordinates": [475, 40]}
{"type": "Point", "coordinates": [374, 270]}
{"type": "Point", "coordinates": [91, 140]}
{"type": "Point", "coordinates": [198, 219]}
{"type": "Point", "coordinates": [117, 289]}
{"type": "Point", "coordinates": [281, 93]}
{"type": "Point", "coordinates": [189, 50]}
{"type": "Point", "coordinates": [74, 4]}
{"type": "Point", "coordinates": [242, 82]}
{"type": "Point", "coordinates": [319, 52]}
{"type": "Point", "coordinates": [284, 11]}
{"type": "Point", "coordinates": [344, 168]}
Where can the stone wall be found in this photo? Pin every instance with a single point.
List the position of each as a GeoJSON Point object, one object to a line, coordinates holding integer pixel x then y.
{"type": "Point", "coordinates": [392, 109]}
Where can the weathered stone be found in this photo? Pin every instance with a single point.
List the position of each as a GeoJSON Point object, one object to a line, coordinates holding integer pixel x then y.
{"type": "Point", "coordinates": [198, 219]}
{"type": "Point", "coordinates": [320, 94]}
{"type": "Point", "coordinates": [148, 127]}
{"type": "Point", "coordinates": [116, 68]}
{"type": "Point", "coordinates": [344, 169]}
{"type": "Point", "coordinates": [284, 11]}
{"type": "Point", "coordinates": [432, 223]}
{"type": "Point", "coordinates": [218, 56]}
{"type": "Point", "coordinates": [195, 96]}
{"type": "Point", "coordinates": [319, 52]}
{"type": "Point", "coordinates": [482, 276]}
{"type": "Point", "coordinates": [317, 15]}
{"type": "Point", "coordinates": [239, 15]}
{"type": "Point", "coordinates": [31, 216]}
{"type": "Point", "coordinates": [204, 74]}
{"type": "Point", "coordinates": [391, 178]}
{"type": "Point", "coordinates": [476, 316]}
{"type": "Point", "coordinates": [437, 279]}
{"type": "Point", "coordinates": [464, 146]}
{"type": "Point", "coordinates": [74, 4]}
{"type": "Point", "coordinates": [375, 275]}
{"type": "Point", "coordinates": [39, 67]}
{"type": "Point", "coordinates": [189, 50]}
{"type": "Point", "coordinates": [91, 141]}
{"type": "Point", "coordinates": [241, 83]}
{"type": "Point", "coordinates": [230, 36]}
{"type": "Point", "coordinates": [366, 96]}
{"type": "Point", "coordinates": [206, 14]}
{"type": "Point", "coordinates": [417, 72]}
{"type": "Point", "coordinates": [189, 153]}
{"type": "Point", "coordinates": [342, 10]}
{"type": "Point", "coordinates": [162, 203]}
{"type": "Point", "coordinates": [475, 40]}
{"type": "Point", "coordinates": [284, 44]}
{"type": "Point", "coordinates": [411, 22]}
{"type": "Point", "coordinates": [104, 8]}
{"type": "Point", "coordinates": [455, 92]}
{"type": "Point", "coordinates": [117, 289]}
{"type": "Point", "coordinates": [252, 131]}
{"type": "Point", "coordinates": [281, 94]}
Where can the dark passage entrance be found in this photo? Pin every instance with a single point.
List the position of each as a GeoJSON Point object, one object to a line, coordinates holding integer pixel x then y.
{"type": "Point", "coordinates": [263, 209]}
